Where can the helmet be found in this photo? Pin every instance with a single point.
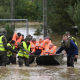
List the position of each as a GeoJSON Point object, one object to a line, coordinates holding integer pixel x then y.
{"type": "Point", "coordinates": [3, 31]}
{"type": "Point", "coordinates": [67, 32]}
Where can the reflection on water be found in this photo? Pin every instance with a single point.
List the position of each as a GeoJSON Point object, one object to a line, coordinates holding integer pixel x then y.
{"type": "Point", "coordinates": [59, 72]}
{"type": "Point", "coordinates": [31, 31]}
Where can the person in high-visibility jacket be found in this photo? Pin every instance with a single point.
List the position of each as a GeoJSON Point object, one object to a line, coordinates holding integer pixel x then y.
{"type": "Point", "coordinates": [70, 37]}
{"type": "Point", "coordinates": [17, 38]}
{"type": "Point", "coordinates": [50, 50]}
{"type": "Point", "coordinates": [3, 48]}
{"type": "Point", "coordinates": [24, 50]}
{"type": "Point", "coordinates": [39, 46]}
{"type": "Point", "coordinates": [11, 47]}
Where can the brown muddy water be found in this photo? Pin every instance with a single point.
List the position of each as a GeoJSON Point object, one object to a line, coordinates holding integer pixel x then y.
{"type": "Point", "coordinates": [57, 72]}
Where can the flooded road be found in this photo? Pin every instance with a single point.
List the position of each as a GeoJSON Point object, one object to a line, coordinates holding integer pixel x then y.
{"type": "Point", "coordinates": [58, 72]}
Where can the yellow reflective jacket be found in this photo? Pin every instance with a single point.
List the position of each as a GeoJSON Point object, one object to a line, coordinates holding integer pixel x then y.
{"type": "Point", "coordinates": [1, 44]}
{"type": "Point", "coordinates": [10, 53]}
{"type": "Point", "coordinates": [72, 38]}
{"type": "Point", "coordinates": [25, 53]}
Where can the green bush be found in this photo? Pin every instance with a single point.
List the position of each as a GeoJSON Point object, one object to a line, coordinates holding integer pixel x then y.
{"type": "Point", "coordinates": [10, 31]}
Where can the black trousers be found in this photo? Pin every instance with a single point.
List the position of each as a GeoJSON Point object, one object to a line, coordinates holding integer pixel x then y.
{"type": "Point", "coordinates": [21, 59]}
{"type": "Point", "coordinates": [75, 59]}
{"type": "Point", "coordinates": [70, 61]}
{"type": "Point", "coordinates": [38, 52]}
{"type": "Point", "coordinates": [10, 59]}
{"type": "Point", "coordinates": [3, 60]}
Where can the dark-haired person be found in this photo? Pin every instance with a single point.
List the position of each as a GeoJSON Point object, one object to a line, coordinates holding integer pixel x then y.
{"type": "Point", "coordinates": [11, 49]}
{"type": "Point", "coordinates": [17, 38]}
{"type": "Point", "coordinates": [22, 38]}
{"type": "Point", "coordinates": [71, 49]}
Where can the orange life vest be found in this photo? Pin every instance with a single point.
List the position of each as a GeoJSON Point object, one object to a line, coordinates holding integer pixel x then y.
{"type": "Point", "coordinates": [47, 44]}
{"type": "Point", "coordinates": [48, 51]}
{"type": "Point", "coordinates": [32, 46]}
{"type": "Point", "coordinates": [16, 40]}
{"type": "Point", "coordinates": [39, 45]}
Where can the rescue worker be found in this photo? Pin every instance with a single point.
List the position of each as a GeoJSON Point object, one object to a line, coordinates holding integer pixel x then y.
{"type": "Point", "coordinates": [73, 39]}
{"type": "Point", "coordinates": [17, 38]}
{"type": "Point", "coordinates": [71, 49]}
{"type": "Point", "coordinates": [39, 46]}
{"type": "Point", "coordinates": [50, 50]}
{"type": "Point", "coordinates": [3, 48]}
{"type": "Point", "coordinates": [10, 56]}
{"type": "Point", "coordinates": [23, 54]}
{"type": "Point", "coordinates": [29, 36]}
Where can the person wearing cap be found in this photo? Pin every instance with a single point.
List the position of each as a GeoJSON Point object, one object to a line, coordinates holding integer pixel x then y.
{"type": "Point", "coordinates": [11, 50]}
{"type": "Point", "coordinates": [17, 38]}
{"type": "Point", "coordinates": [30, 36]}
{"type": "Point", "coordinates": [24, 50]}
{"type": "Point", "coordinates": [71, 49]}
{"type": "Point", "coordinates": [73, 39]}
{"type": "Point", "coordinates": [3, 48]}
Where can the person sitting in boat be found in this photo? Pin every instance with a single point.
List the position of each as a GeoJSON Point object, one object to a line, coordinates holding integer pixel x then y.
{"type": "Point", "coordinates": [71, 49]}
{"type": "Point", "coordinates": [47, 37]}
{"type": "Point", "coordinates": [47, 42]}
{"type": "Point", "coordinates": [33, 45]}
{"type": "Point", "coordinates": [24, 50]}
{"type": "Point", "coordinates": [50, 50]}
{"type": "Point", "coordinates": [39, 46]}
{"type": "Point", "coordinates": [17, 38]}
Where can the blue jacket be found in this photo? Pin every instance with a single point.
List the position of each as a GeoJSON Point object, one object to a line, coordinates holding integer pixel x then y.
{"type": "Point", "coordinates": [72, 51]}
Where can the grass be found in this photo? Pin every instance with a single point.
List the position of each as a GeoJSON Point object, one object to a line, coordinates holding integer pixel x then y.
{"type": "Point", "coordinates": [23, 24]}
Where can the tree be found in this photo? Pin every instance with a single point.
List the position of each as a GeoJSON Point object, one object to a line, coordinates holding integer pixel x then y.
{"type": "Point", "coordinates": [74, 13]}
{"type": "Point", "coordinates": [58, 18]}
{"type": "Point", "coordinates": [25, 9]}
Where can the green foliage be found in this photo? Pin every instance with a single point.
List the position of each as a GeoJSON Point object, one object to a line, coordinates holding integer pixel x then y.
{"type": "Point", "coordinates": [39, 10]}
{"type": "Point", "coordinates": [9, 31]}
{"type": "Point", "coordinates": [74, 13]}
{"type": "Point", "coordinates": [38, 31]}
{"type": "Point", "coordinates": [26, 9]}
{"type": "Point", "coordinates": [58, 18]}
{"type": "Point", "coordinates": [23, 9]}
{"type": "Point", "coordinates": [5, 9]}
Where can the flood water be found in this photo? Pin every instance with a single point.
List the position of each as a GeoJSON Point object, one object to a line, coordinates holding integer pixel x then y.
{"type": "Point", "coordinates": [57, 72]}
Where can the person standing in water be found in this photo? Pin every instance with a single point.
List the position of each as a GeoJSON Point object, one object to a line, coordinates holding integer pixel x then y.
{"type": "Point", "coordinates": [71, 49]}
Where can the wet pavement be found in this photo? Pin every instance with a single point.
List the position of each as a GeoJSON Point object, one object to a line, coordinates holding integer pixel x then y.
{"type": "Point", "coordinates": [49, 72]}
